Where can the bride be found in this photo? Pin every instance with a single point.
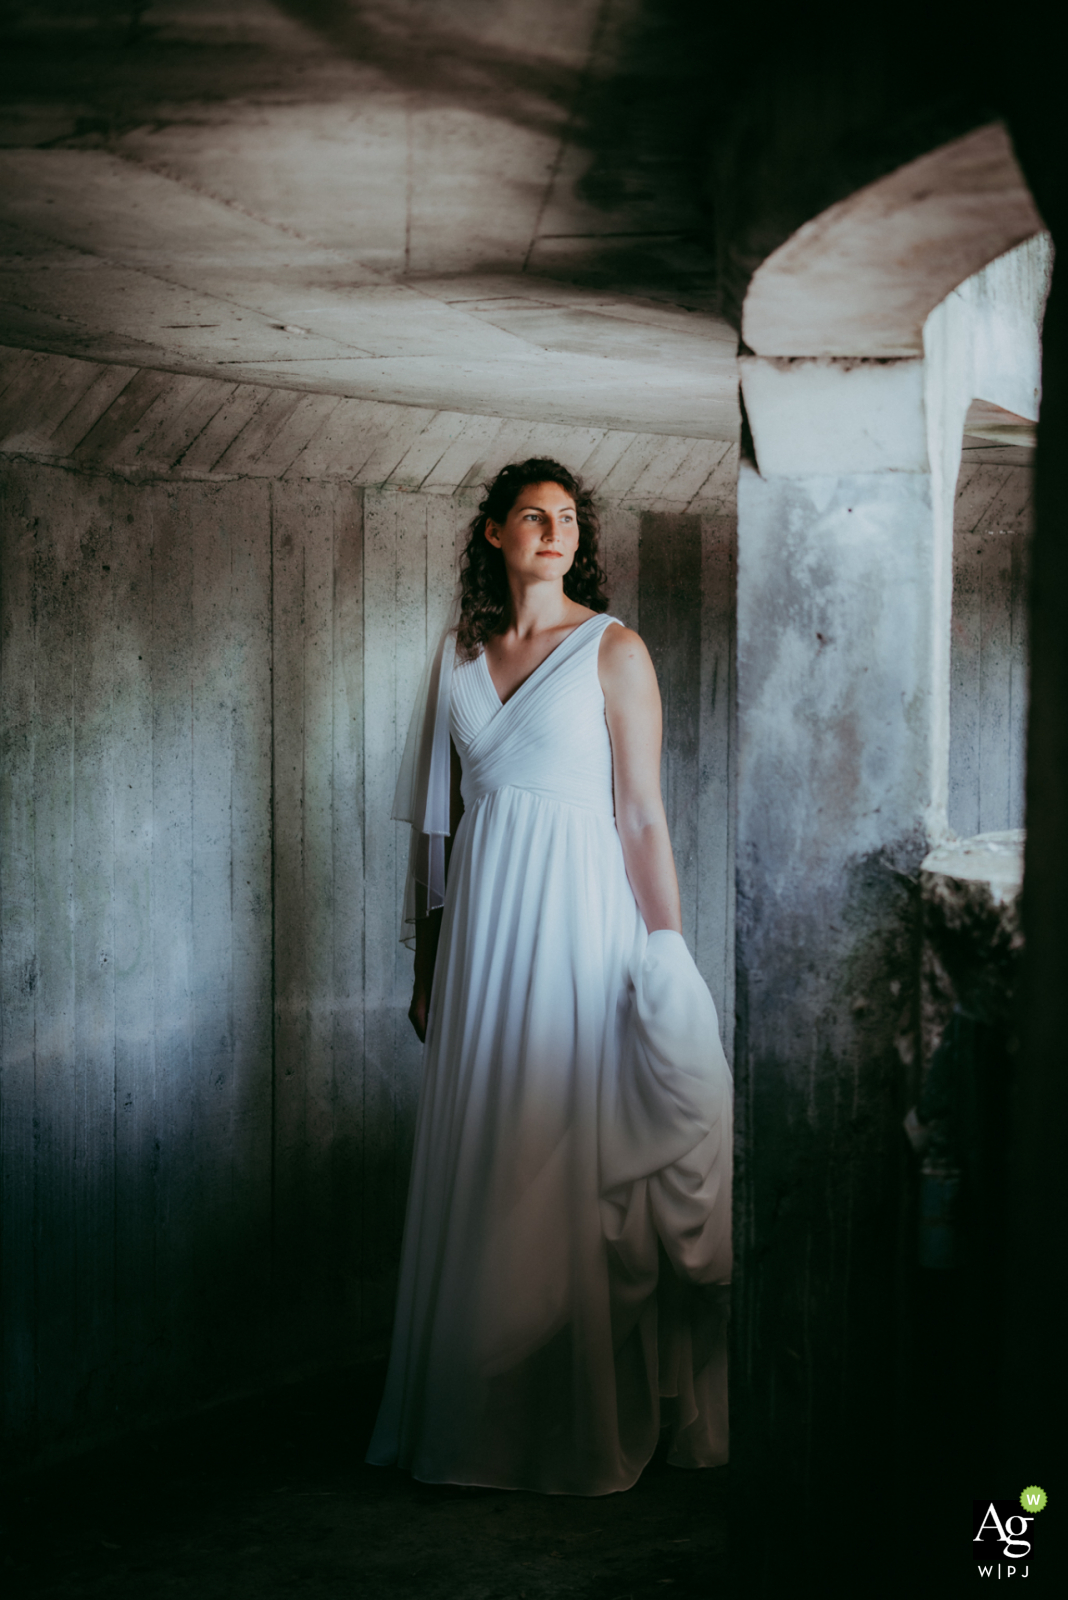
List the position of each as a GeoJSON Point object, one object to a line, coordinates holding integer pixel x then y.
{"type": "Point", "coordinates": [568, 1226]}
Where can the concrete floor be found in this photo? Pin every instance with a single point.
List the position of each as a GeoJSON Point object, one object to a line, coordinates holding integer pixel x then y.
{"type": "Point", "coordinates": [270, 1498]}
{"type": "Point", "coordinates": [451, 203]}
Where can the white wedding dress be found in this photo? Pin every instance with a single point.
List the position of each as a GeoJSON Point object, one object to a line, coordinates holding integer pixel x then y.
{"type": "Point", "coordinates": [568, 1225]}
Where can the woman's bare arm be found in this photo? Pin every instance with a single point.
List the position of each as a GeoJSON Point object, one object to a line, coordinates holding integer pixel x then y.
{"type": "Point", "coordinates": [428, 929]}
{"type": "Point", "coordinates": [635, 723]}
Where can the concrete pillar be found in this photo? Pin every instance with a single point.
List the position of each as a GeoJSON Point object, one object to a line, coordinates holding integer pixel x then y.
{"type": "Point", "coordinates": [845, 530]}
{"type": "Point", "coordinates": [843, 610]}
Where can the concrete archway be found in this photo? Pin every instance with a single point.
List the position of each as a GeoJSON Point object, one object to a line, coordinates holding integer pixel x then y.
{"type": "Point", "coordinates": [862, 278]}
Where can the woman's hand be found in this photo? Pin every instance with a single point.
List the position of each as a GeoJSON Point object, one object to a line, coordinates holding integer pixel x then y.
{"type": "Point", "coordinates": [635, 724]}
{"type": "Point", "coordinates": [417, 1011]}
{"type": "Point", "coordinates": [427, 930]}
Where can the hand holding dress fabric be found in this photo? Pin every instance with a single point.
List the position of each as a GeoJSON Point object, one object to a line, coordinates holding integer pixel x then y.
{"type": "Point", "coordinates": [666, 1113]}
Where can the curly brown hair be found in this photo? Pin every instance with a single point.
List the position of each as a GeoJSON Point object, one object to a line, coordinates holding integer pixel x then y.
{"type": "Point", "coordinates": [485, 596]}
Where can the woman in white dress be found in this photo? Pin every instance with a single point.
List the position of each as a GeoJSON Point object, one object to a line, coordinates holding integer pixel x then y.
{"type": "Point", "coordinates": [568, 1226]}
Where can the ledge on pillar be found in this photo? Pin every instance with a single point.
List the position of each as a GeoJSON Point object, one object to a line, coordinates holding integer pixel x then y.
{"type": "Point", "coordinates": [972, 939]}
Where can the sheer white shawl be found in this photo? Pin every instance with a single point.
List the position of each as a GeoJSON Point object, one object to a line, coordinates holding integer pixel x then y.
{"type": "Point", "coordinates": [424, 783]}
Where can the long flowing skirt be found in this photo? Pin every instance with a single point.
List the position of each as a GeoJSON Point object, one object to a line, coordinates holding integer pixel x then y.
{"type": "Point", "coordinates": [567, 1157]}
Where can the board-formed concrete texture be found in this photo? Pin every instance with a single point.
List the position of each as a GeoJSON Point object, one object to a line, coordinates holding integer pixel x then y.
{"type": "Point", "coordinates": [370, 224]}
{"type": "Point", "coordinates": [992, 521]}
{"type": "Point", "coordinates": [147, 422]}
{"type": "Point", "coordinates": [209, 1077]}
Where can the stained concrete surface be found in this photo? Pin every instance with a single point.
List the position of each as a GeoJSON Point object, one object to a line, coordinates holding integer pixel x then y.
{"type": "Point", "coordinates": [835, 595]}
{"type": "Point", "coordinates": [972, 938]}
{"type": "Point", "coordinates": [270, 1497]}
{"type": "Point", "coordinates": [970, 973]}
{"type": "Point", "coordinates": [423, 203]}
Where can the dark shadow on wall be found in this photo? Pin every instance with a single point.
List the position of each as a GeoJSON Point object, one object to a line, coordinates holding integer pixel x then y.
{"type": "Point", "coordinates": [199, 1197]}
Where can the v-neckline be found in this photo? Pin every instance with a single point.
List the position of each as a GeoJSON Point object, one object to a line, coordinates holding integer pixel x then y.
{"type": "Point", "coordinates": [501, 704]}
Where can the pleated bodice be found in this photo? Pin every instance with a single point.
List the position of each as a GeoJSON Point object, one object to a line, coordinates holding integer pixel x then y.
{"type": "Point", "coordinates": [524, 743]}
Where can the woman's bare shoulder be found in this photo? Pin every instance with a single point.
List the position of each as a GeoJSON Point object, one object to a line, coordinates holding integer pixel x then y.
{"type": "Point", "coordinates": [623, 657]}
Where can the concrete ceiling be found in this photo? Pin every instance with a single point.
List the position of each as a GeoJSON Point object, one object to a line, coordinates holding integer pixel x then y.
{"type": "Point", "coordinates": [472, 204]}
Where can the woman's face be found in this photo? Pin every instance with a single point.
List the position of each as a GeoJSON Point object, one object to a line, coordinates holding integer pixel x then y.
{"type": "Point", "coordinates": [540, 535]}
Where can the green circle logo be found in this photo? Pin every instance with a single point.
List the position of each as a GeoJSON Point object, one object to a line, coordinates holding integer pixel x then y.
{"type": "Point", "coordinates": [1033, 1498]}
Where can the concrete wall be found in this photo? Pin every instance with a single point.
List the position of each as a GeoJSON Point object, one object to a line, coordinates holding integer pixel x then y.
{"type": "Point", "coordinates": [982, 343]}
{"type": "Point", "coordinates": [992, 523]}
{"type": "Point", "coordinates": [209, 1080]}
